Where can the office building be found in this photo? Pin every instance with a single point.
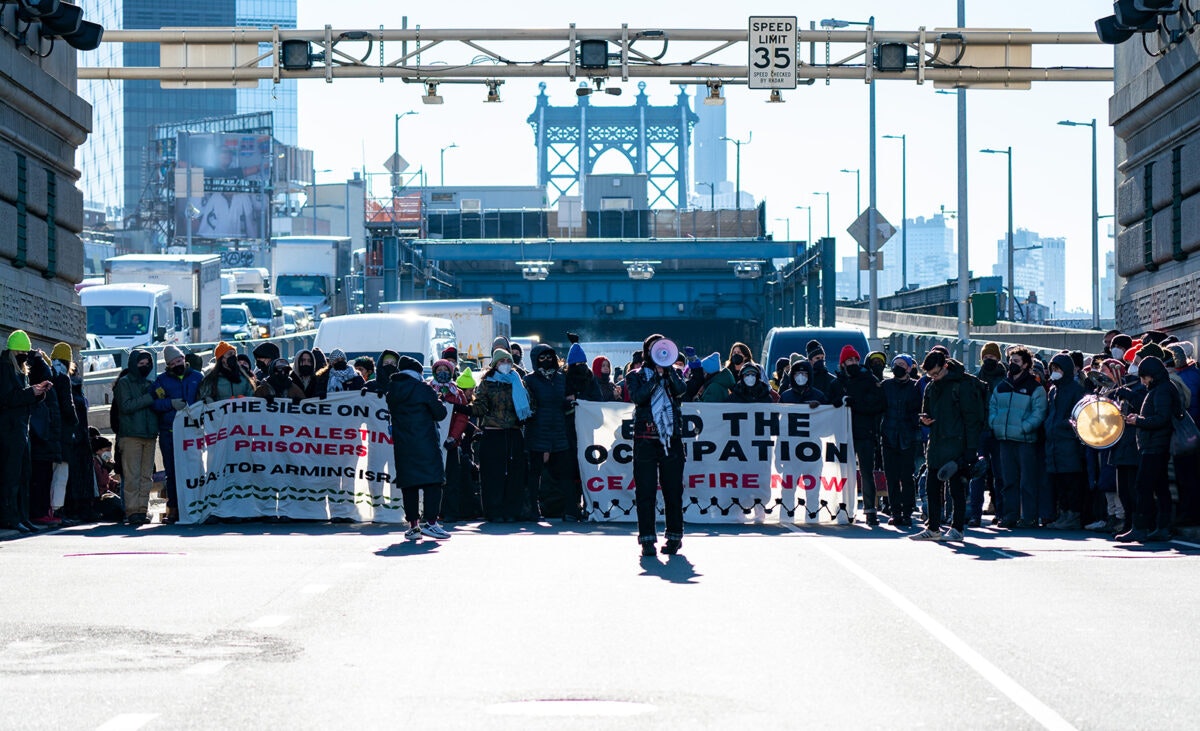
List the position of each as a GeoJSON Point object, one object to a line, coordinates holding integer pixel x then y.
{"type": "Point", "coordinates": [932, 257]}
{"type": "Point", "coordinates": [1039, 266]}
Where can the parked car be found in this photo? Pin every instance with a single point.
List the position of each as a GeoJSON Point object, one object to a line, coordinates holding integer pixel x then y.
{"type": "Point", "coordinates": [301, 316]}
{"type": "Point", "coordinates": [238, 324]}
{"type": "Point", "coordinates": [289, 322]}
{"type": "Point", "coordinates": [96, 362]}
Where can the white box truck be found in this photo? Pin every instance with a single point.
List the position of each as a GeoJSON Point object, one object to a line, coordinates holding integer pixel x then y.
{"type": "Point", "coordinates": [195, 283]}
{"type": "Point", "coordinates": [476, 321]}
{"type": "Point", "coordinates": [309, 271]}
{"type": "Point", "coordinates": [129, 315]}
{"type": "Point", "coordinates": [417, 336]}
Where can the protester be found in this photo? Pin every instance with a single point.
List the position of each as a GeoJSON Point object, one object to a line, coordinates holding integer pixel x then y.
{"type": "Point", "coordinates": [279, 384]}
{"type": "Point", "coordinates": [1186, 376]}
{"type": "Point", "coordinates": [822, 379]}
{"type": "Point", "coordinates": [719, 382]}
{"type": "Point", "coordinates": [515, 350]}
{"type": "Point", "coordinates": [582, 385]}
{"type": "Point", "coordinates": [386, 364]}
{"type": "Point", "coordinates": [1153, 423]}
{"type": "Point", "coordinates": [802, 391]}
{"type": "Point", "coordinates": [364, 365]}
{"type": "Point", "coordinates": [226, 380]}
{"type": "Point", "coordinates": [1016, 410]}
{"type": "Point", "coordinates": [901, 436]}
{"type": "Point", "coordinates": [137, 433]}
{"type": "Point", "coordinates": [953, 410]}
{"type": "Point", "coordinates": [546, 437]}
{"type": "Point", "coordinates": [458, 500]}
{"type": "Point", "coordinates": [49, 425]}
{"type": "Point", "coordinates": [264, 355]}
{"type": "Point", "coordinates": [102, 465]}
{"type": "Point", "coordinates": [17, 397]}
{"type": "Point", "coordinates": [606, 389]}
{"type": "Point", "coordinates": [657, 450]}
{"type": "Point", "coordinates": [174, 390]}
{"type": "Point", "coordinates": [80, 502]}
{"type": "Point", "coordinates": [304, 373]}
{"type": "Point", "coordinates": [1122, 457]}
{"type": "Point", "coordinates": [338, 375]}
{"type": "Point", "coordinates": [865, 399]}
{"type": "Point", "coordinates": [779, 377]}
{"type": "Point", "coordinates": [501, 404]}
{"type": "Point", "coordinates": [415, 412]}
{"type": "Point", "coordinates": [750, 388]}
{"type": "Point", "coordinates": [876, 363]}
{"type": "Point", "coordinates": [1064, 452]}
{"type": "Point", "coordinates": [991, 372]}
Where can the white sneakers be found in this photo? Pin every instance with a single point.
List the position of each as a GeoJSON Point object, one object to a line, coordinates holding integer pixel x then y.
{"type": "Point", "coordinates": [412, 534]}
{"type": "Point", "coordinates": [947, 534]}
{"type": "Point", "coordinates": [433, 530]}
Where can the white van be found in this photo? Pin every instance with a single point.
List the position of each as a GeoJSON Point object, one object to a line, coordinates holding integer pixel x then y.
{"type": "Point", "coordinates": [266, 308]}
{"type": "Point", "coordinates": [130, 315]}
{"type": "Point", "coordinates": [416, 336]}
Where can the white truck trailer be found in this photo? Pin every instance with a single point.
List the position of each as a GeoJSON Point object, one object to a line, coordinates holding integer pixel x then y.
{"type": "Point", "coordinates": [194, 281]}
{"type": "Point", "coordinates": [309, 271]}
{"type": "Point", "coordinates": [476, 321]}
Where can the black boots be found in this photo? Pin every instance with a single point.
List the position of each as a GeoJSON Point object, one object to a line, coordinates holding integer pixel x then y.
{"type": "Point", "coordinates": [672, 546]}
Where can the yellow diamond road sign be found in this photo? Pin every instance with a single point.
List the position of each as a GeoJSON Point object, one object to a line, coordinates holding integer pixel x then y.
{"type": "Point", "coordinates": [883, 230]}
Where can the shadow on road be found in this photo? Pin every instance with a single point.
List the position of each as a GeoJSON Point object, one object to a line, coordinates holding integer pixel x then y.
{"type": "Point", "coordinates": [675, 569]}
{"type": "Point", "coordinates": [408, 548]}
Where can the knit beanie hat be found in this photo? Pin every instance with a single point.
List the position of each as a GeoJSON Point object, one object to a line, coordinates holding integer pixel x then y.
{"type": "Point", "coordinates": [61, 351]}
{"type": "Point", "coordinates": [576, 355]}
{"type": "Point", "coordinates": [992, 349]}
{"type": "Point", "coordinates": [170, 353]}
{"type": "Point", "coordinates": [848, 352]}
{"type": "Point", "coordinates": [19, 340]}
{"type": "Point", "coordinates": [466, 380]}
{"type": "Point", "coordinates": [598, 364]}
{"type": "Point", "coordinates": [1178, 355]}
{"type": "Point", "coordinates": [1151, 350]}
{"type": "Point", "coordinates": [337, 354]}
{"type": "Point", "coordinates": [876, 355]}
{"type": "Point", "coordinates": [221, 349]}
{"type": "Point", "coordinates": [407, 363]}
{"type": "Point", "coordinates": [712, 363]}
{"type": "Point", "coordinates": [271, 351]}
{"type": "Point", "coordinates": [906, 359]}
{"type": "Point", "coordinates": [1122, 341]}
{"type": "Point", "coordinates": [813, 347]}
{"type": "Point", "coordinates": [450, 354]}
{"type": "Point", "coordinates": [795, 358]}
{"type": "Point", "coordinates": [500, 354]}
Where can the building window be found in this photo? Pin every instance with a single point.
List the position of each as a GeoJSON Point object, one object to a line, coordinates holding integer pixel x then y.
{"type": "Point", "coordinates": [22, 215]}
{"type": "Point", "coordinates": [1177, 204]}
{"type": "Point", "coordinates": [1148, 217]}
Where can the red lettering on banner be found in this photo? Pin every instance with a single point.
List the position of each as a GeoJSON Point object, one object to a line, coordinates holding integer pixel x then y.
{"type": "Point", "coordinates": [837, 484]}
{"type": "Point", "coordinates": [809, 482]}
{"type": "Point", "coordinates": [728, 479]}
{"type": "Point", "coordinates": [781, 482]}
{"type": "Point", "coordinates": [595, 484]}
{"type": "Point", "coordinates": [750, 481]}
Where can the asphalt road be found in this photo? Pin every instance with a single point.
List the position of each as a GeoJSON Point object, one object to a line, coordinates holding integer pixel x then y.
{"type": "Point", "coordinates": [323, 626]}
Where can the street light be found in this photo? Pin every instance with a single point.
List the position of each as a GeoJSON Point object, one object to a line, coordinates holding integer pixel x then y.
{"type": "Point", "coordinates": [1095, 226]}
{"type": "Point", "coordinates": [1008, 152]}
{"type": "Point", "coordinates": [788, 227]}
{"type": "Point", "coordinates": [903, 205]}
{"type": "Point", "coordinates": [826, 194]}
{"type": "Point", "coordinates": [314, 195]}
{"type": "Point", "coordinates": [442, 163]}
{"type": "Point", "coordinates": [857, 211]}
{"type": "Point", "coordinates": [738, 164]}
{"type": "Point", "coordinates": [396, 150]}
{"type": "Point", "coordinates": [808, 210]}
{"type": "Point", "coordinates": [712, 195]}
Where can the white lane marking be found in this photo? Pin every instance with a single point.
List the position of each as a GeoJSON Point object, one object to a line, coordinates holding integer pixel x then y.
{"type": "Point", "coordinates": [270, 620]}
{"type": "Point", "coordinates": [208, 667]}
{"type": "Point", "coordinates": [1043, 714]}
{"type": "Point", "coordinates": [1002, 553]}
{"type": "Point", "coordinates": [314, 588]}
{"type": "Point", "coordinates": [353, 565]}
{"type": "Point", "coordinates": [127, 722]}
{"type": "Point", "coordinates": [1185, 543]}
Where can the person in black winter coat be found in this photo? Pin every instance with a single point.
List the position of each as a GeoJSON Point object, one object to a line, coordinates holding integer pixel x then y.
{"type": "Point", "coordinates": [82, 481]}
{"type": "Point", "coordinates": [991, 372]}
{"type": "Point", "coordinates": [546, 437]}
{"type": "Point", "coordinates": [864, 396]}
{"type": "Point", "coordinates": [415, 413]}
{"type": "Point", "coordinates": [1064, 452]}
{"type": "Point", "coordinates": [1154, 425]}
{"type": "Point", "coordinates": [822, 379]}
{"type": "Point", "coordinates": [1129, 392]}
{"type": "Point", "coordinates": [17, 398]}
{"type": "Point", "coordinates": [802, 391]}
{"type": "Point", "coordinates": [51, 428]}
{"type": "Point", "coordinates": [901, 433]}
{"type": "Point", "coordinates": [657, 449]}
{"type": "Point", "coordinates": [750, 387]}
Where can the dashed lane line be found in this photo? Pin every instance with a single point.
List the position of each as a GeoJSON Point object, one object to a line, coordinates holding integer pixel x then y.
{"type": "Point", "coordinates": [270, 620]}
{"type": "Point", "coordinates": [127, 722]}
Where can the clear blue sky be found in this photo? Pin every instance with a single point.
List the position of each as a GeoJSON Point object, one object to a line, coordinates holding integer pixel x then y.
{"type": "Point", "coordinates": [798, 146]}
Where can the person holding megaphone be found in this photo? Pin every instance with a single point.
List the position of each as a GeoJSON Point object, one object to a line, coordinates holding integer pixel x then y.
{"type": "Point", "coordinates": [658, 443]}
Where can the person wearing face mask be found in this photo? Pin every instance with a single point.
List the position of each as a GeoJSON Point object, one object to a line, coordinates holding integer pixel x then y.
{"type": "Point", "coordinates": [901, 436]}
{"type": "Point", "coordinates": [79, 503]}
{"type": "Point", "coordinates": [862, 393]}
{"type": "Point", "coordinates": [606, 390]}
{"type": "Point", "coordinates": [546, 437]}
{"type": "Point", "coordinates": [278, 384]}
{"type": "Point", "coordinates": [418, 455]}
{"type": "Point", "coordinates": [500, 405]}
{"type": "Point", "coordinates": [1129, 392]}
{"type": "Point", "coordinates": [51, 431]}
{"type": "Point", "coordinates": [338, 375]}
{"type": "Point", "coordinates": [454, 462]}
{"type": "Point", "coordinates": [739, 355]}
{"type": "Point", "coordinates": [304, 373]}
{"type": "Point", "coordinates": [1064, 452]}
{"type": "Point", "coordinates": [750, 388]}
{"type": "Point", "coordinates": [717, 383]}
{"type": "Point", "coordinates": [991, 372]}
{"type": "Point", "coordinates": [226, 380]}
{"type": "Point", "coordinates": [1153, 426]}
{"type": "Point", "coordinates": [1119, 345]}
{"type": "Point", "coordinates": [822, 379]}
{"type": "Point", "coordinates": [264, 355]}
{"type": "Point", "coordinates": [17, 397]}
{"type": "Point", "coordinates": [658, 453]}
{"type": "Point", "coordinates": [385, 366]}
{"type": "Point", "coordinates": [517, 356]}
{"type": "Point", "coordinates": [876, 363]}
{"type": "Point", "coordinates": [137, 433]}
{"type": "Point", "coordinates": [101, 459]}
{"type": "Point", "coordinates": [1016, 410]}
{"type": "Point", "coordinates": [177, 388]}
{"type": "Point", "coordinates": [802, 390]}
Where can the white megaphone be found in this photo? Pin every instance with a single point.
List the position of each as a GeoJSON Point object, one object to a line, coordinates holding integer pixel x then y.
{"type": "Point", "coordinates": [664, 353]}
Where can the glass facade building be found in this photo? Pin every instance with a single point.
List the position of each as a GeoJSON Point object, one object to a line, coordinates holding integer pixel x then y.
{"type": "Point", "coordinates": [114, 159]}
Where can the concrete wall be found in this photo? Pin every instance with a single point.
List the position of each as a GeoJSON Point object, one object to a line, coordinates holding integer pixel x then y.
{"type": "Point", "coordinates": [42, 123]}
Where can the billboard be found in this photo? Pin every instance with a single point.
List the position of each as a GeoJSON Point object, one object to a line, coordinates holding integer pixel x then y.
{"type": "Point", "coordinates": [227, 158]}
{"type": "Point", "coordinates": [220, 215]}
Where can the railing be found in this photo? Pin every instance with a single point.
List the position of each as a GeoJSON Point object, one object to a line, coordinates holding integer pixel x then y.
{"type": "Point", "coordinates": [964, 351]}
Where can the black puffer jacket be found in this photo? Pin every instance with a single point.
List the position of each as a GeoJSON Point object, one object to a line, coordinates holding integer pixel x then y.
{"type": "Point", "coordinates": [1064, 451]}
{"type": "Point", "coordinates": [641, 389]}
{"type": "Point", "coordinates": [46, 427]}
{"type": "Point", "coordinates": [1130, 396]}
{"type": "Point", "coordinates": [900, 428]}
{"type": "Point", "coordinates": [415, 414]}
{"type": "Point", "coordinates": [546, 429]}
{"type": "Point", "coordinates": [1155, 420]}
{"type": "Point", "coordinates": [16, 399]}
{"type": "Point", "coordinates": [867, 402]}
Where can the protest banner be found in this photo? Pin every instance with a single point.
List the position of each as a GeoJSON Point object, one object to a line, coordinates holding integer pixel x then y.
{"type": "Point", "coordinates": [745, 463]}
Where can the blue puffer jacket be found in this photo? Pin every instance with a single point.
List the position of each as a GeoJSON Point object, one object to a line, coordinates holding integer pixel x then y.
{"type": "Point", "coordinates": [1064, 451]}
{"type": "Point", "coordinates": [1016, 409]}
{"type": "Point", "coordinates": [168, 387]}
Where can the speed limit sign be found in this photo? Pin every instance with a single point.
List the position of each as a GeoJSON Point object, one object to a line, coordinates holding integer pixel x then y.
{"type": "Point", "coordinates": [772, 62]}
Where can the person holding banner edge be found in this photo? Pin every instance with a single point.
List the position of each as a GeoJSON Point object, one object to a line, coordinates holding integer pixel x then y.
{"type": "Point", "coordinates": [415, 411]}
{"type": "Point", "coordinates": [658, 457]}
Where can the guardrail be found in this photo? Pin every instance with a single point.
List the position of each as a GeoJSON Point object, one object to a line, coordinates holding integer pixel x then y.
{"type": "Point", "coordinates": [964, 351]}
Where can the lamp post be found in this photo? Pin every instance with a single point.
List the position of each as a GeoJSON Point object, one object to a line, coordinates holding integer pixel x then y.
{"type": "Point", "coordinates": [826, 194]}
{"type": "Point", "coordinates": [738, 164]}
{"type": "Point", "coordinates": [808, 210]}
{"type": "Point", "coordinates": [396, 149]}
{"type": "Point", "coordinates": [1095, 226]}
{"type": "Point", "coordinates": [712, 195]}
{"type": "Point", "coordinates": [903, 205]}
{"type": "Point", "coordinates": [442, 163]}
{"type": "Point", "coordinates": [314, 195]}
{"type": "Point", "coordinates": [1008, 153]}
{"type": "Point", "coordinates": [787, 227]}
{"type": "Point", "coordinates": [857, 210]}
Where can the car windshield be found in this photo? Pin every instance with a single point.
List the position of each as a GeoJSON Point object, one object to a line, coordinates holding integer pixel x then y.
{"type": "Point", "coordinates": [118, 320]}
{"type": "Point", "coordinates": [233, 316]}
{"type": "Point", "coordinates": [300, 285]}
{"type": "Point", "coordinates": [261, 309]}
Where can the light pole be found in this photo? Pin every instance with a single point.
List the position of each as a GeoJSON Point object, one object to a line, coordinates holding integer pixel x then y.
{"type": "Point", "coordinates": [1095, 226]}
{"type": "Point", "coordinates": [857, 211]}
{"type": "Point", "coordinates": [396, 150]}
{"type": "Point", "coordinates": [738, 164]}
{"type": "Point", "coordinates": [314, 195]}
{"type": "Point", "coordinates": [442, 163]}
{"type": "Point", "coordinates": [903, 205]}
{"type": "Point", "coordinates": [808, 210]}
{"type": "Point", "coordinates": [1011, 289]}
{"type": "Point", "coordinates": [826, 194]}
{"type": "Point", "coordinates": [788, 227]}
{"type": "Point", "coordinates": [712, 195]}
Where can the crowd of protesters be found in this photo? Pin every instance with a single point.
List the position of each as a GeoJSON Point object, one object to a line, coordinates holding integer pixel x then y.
{"type": "Point", "coordinates": [939, 439]}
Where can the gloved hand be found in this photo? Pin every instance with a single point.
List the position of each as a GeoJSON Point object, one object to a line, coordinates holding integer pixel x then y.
{"type": "Point", "coordinates": [813, 404]}
{"type": "Point", "coordinates": [449, 444]}
{"type": "Point", "coordinates": [948, 470]}
{"type": "Point", "coordinates": [461, 409]}
{"type": "Point", "coordinates": [178, 404]}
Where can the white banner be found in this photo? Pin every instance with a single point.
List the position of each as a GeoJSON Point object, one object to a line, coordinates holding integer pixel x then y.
{"type": "Point", "coordinates": [319, 459]}
{"type": "Point", "coordinates": [745, 463]}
